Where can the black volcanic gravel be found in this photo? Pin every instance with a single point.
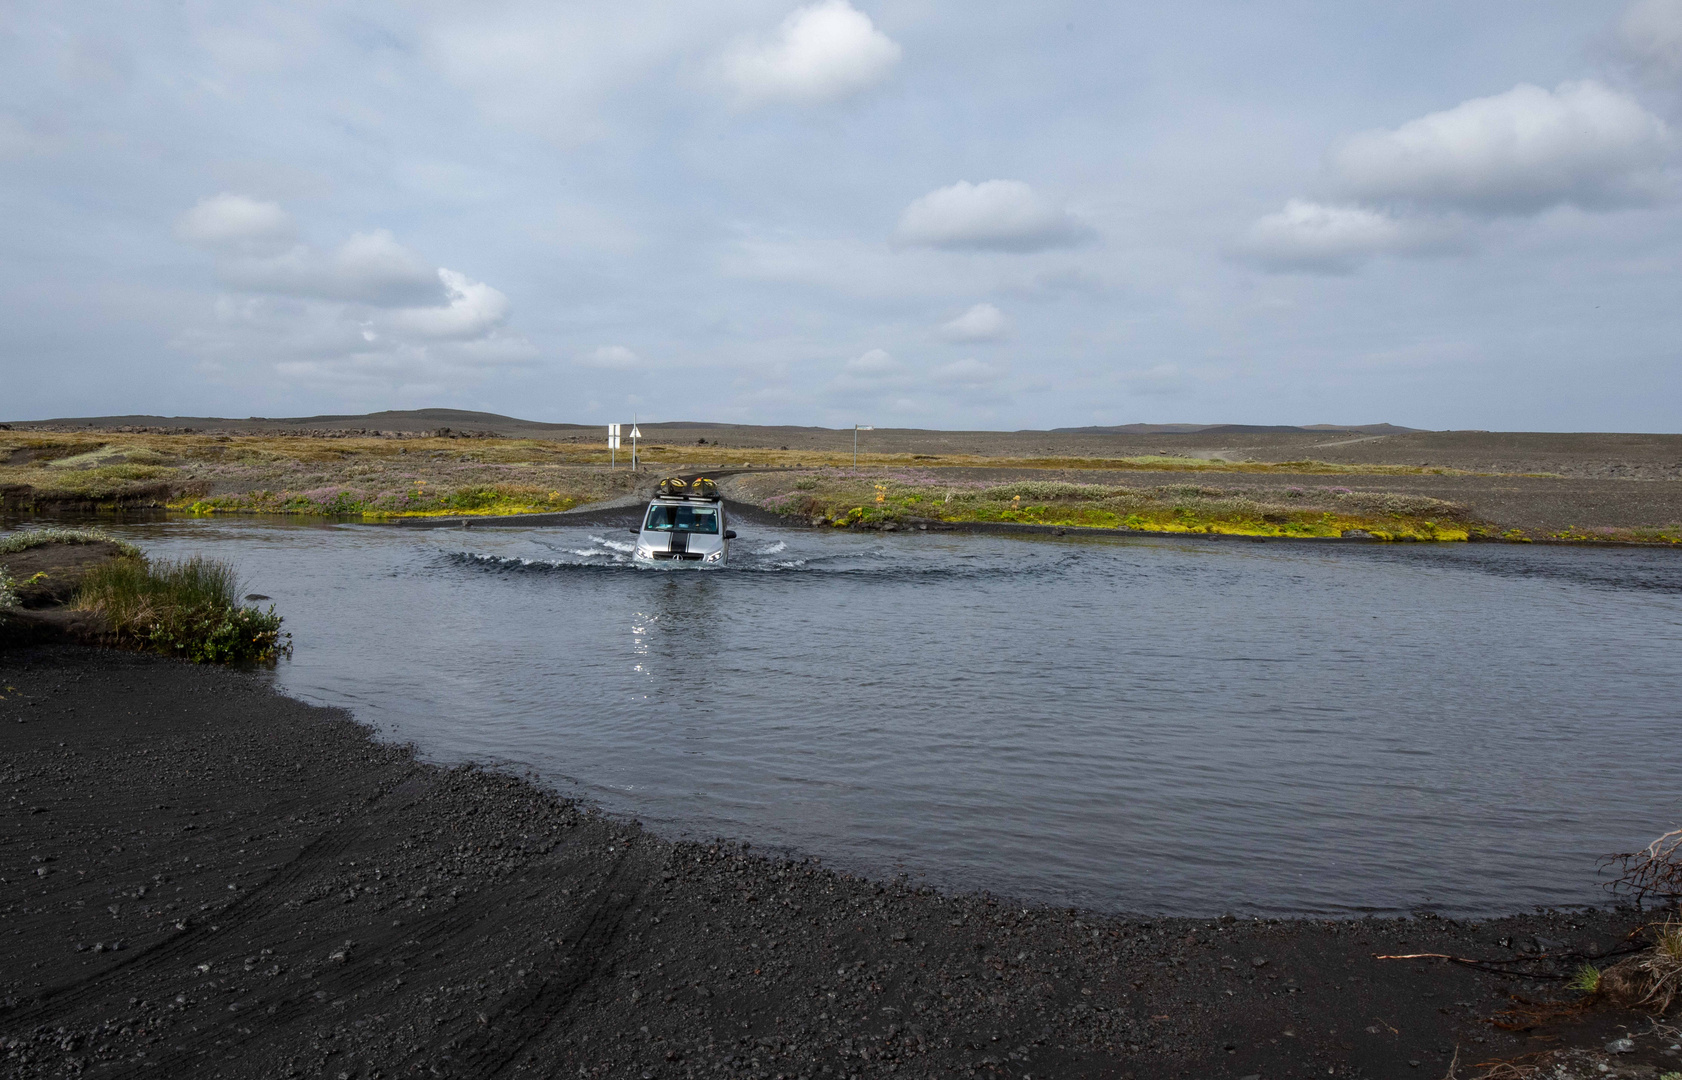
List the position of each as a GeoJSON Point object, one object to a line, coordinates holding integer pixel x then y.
{"type": "Point", "coordinates": [199, 877]}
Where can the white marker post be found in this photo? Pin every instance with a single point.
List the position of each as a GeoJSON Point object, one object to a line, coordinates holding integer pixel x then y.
{"type": "Point", "coordinates": [856, 429]}
{"type": "Point", "coordinates": [613, 446]}
{"type": "Point", "coordinates": [635, 435]}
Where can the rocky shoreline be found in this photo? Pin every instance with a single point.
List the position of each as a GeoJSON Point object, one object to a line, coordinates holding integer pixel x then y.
{"type": "Point", "coordinates": [199, 876]}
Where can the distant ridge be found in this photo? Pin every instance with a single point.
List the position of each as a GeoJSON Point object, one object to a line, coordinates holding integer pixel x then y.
{"type": "Point", "coordinates": [468, 422]}
{"type": "Point", "coordinates": [1235, 429]}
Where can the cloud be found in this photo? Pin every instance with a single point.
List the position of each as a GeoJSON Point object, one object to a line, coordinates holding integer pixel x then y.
{"type": "Point", "coordinates": [1514, 153]}
{"type": "Point", "coordinates": [1650, 33]}
{"type": "Point", "coordinates": [551, 67]}
{"type": "Point", "coordinates": [238, 223]}
{"type": "Point", "coordinates": [472, 310]}
{"type": "Point", "coordinates": [967, 374]}
{"type": "Point", "coordinates": [369, 268]}
{"type": "Point", "coordinates": [821, 53]}
{"type": "Point", "coordinates": [996, 215]}
{"type": "Point", "coordinates": [1318, 238]}
{"type": "Point", "coordinates": [983, 322]}
{"type": "Point", "coordinates": [613, 356]}
{"type": "Point", "coordinates": [367, 313]}
{"type": "Point", "coordinates": [343, 348]}
{"type": "Point", "coordinates": [872, 371]}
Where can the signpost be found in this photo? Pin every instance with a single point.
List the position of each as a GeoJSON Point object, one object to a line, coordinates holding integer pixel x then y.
{"type": "Point", "coordinates": [613, 446]}
{"type": "Point", "coordinates": [856, 429]}
{"type": "Point", "coordinates": [635, 435]}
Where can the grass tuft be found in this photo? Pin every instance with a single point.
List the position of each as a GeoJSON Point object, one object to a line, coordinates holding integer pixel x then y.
{"type": "Point", "coordinates": [8, 590]}
{"type": "Point", "coordinates": [33, 538]}
{"type": "Point", "coordinates": [1585, 980]}
{"type": "Point", "coordinates": [188, 609]}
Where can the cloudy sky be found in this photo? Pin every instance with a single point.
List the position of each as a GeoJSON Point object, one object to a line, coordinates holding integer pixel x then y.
{"type": "Point", "coordinates": [900, 212]}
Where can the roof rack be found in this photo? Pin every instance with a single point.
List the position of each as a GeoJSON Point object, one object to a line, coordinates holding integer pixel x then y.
{"type": "Point", "coordinates": [676, 487]}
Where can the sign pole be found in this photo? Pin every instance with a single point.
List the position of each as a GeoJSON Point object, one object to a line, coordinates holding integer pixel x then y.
{"type": "Point", "coordinates": [856, 429]}
{"type": "Point", "coordinates": [635, 435]}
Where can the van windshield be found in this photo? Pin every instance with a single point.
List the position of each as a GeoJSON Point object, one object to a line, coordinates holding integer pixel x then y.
{"type": "Point", "coordinates": [689, 519]}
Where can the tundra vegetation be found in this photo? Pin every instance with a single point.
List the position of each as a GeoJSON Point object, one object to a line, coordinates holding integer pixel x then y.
{"type": "Point", "coordinates": [875, 499]}
{"type": "Point", "coordinates": [382, 476]}
{"type": "Point", "coordinates": [189, 608]}
{"type": "Point", "coordinates": [376, 477]}
{"type": "Point", "coordinates": [365, 477]}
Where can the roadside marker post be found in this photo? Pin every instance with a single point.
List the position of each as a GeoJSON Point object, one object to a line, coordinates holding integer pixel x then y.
{"type": "Point", "coordinates": [856, 429]}
{"type": "Point", "coordinates": [612, 446]}
{"type": "Point", "coordinates": [635, 435]}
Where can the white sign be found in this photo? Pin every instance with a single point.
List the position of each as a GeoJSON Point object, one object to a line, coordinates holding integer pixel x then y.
{"type": "Point", "coordinates": [635, 434]}
{"type": "Point", "coordinates": [613, 431]}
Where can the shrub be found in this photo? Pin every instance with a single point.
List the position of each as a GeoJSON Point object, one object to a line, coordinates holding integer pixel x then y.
{"type": "Point", "coordinates": [1655, 870]}
{"type": "Point", "coordinates": [1650, 979]}
{"type": "Point", "coordinates": [188, 609]}
{"type": "Point", "coordinates": [8, 590]}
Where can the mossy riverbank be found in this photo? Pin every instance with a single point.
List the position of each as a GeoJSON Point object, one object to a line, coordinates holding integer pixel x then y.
{"type": "Point", "coordinates": [82, 585]}
{"type": "Point", "coordinates": [374, 478]}
{"type": "Point", "coordinates": [876, 499]}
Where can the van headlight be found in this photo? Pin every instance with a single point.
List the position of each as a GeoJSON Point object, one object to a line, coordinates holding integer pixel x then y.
{"type": "Point", "coordinates": [715, 556]}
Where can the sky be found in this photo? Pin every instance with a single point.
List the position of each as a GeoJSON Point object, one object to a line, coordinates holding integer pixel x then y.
{"type": "Point", "coordinates": [909, 213]}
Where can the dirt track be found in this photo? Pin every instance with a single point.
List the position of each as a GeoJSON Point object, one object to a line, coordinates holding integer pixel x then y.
{"type": "Point", "coordinates": [199, 877]}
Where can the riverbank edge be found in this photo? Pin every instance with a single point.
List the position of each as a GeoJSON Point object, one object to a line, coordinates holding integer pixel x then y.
{"type": "Point", "coordinates": [640, 953]}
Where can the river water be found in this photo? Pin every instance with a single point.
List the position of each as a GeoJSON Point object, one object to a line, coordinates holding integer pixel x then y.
{"type": "Point", "coordinates": [1151, 726]}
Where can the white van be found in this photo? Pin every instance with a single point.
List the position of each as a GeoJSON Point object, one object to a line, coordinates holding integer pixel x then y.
{"type": "Point", "coordinates": [684, 524]}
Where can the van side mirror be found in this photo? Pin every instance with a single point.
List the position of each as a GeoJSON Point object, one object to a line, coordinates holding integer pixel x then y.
{"type": "Point", "coordinates": [730, 534]}
{"type": "Point", "coordinates": [637, 532]}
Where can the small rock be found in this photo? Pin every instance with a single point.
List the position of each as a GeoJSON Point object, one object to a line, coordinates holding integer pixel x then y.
{"type": "Point", "coordinates": [899, 934]}
{"type": "Point", "coordinates": [1258, 961]}
{"type": "Point", "coordinates": [1621, 1046]}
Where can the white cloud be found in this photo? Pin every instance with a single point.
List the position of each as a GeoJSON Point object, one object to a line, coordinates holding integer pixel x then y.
{"type": "Point", "coordinates": [875, 370]}
{"type": "Point", "coordinates": [369, 268]}
{"type": "Point", "coordinates": [369, 313]}
{"type": "Point", "coordinates": [236, 222]}
{"type": "Point", "coordinates": [998, 215]}
{"type": "Point", "coordinates": [1514, 153]}
{"type": "Point", "coordinates": [344, 348]}
{"type": "Point", "coordinates": [472, 310]}
{"type": "Point", "coordinates": [824, 52]}
{"type": "Point", "coordinates": [1650, 33]}
{"type": "Point", "coordinates": [613, 356]}
{"type": "Point", "coordinates": [983, 322]}
{"type": "Point", "coordinates": [1319, 238]}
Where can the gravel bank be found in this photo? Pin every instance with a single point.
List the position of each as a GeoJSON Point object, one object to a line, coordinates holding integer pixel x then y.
{"type": "Point", "coordinates": [199, 877]}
